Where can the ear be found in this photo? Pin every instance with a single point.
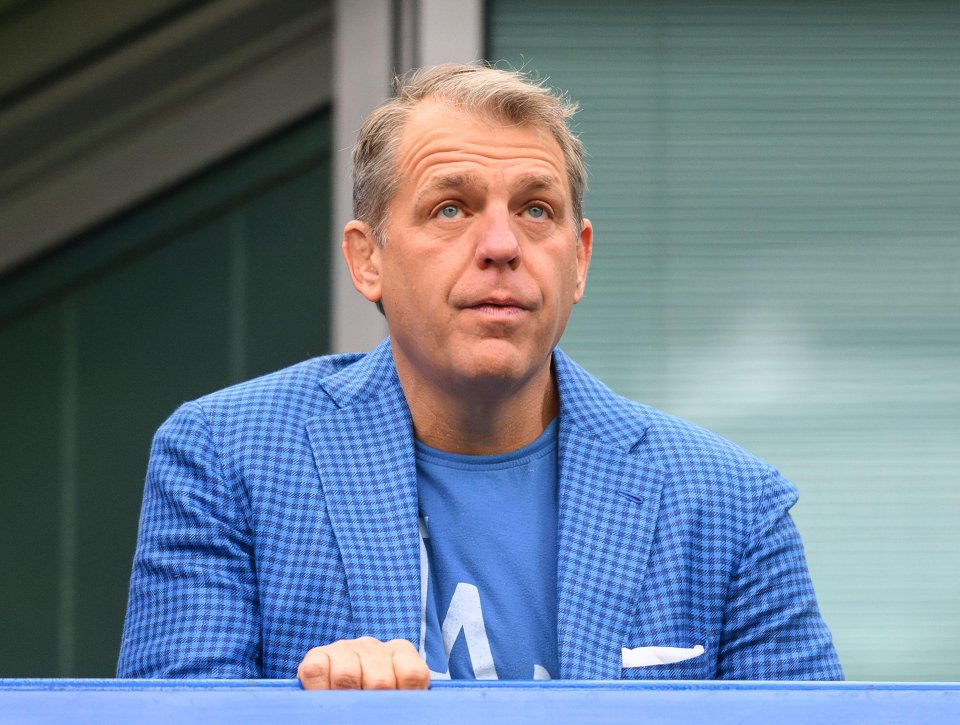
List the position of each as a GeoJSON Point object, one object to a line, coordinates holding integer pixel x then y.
{"type": "Point", "coordinates": [584, 250]}
{"type": "Point", "coordinates": [362, 253]}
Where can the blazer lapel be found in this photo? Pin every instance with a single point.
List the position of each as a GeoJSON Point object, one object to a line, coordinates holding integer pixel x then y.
{"type": "Point", "coordinates": [609, 498]}
{"type": "Point", "coordinates": [365, 457]}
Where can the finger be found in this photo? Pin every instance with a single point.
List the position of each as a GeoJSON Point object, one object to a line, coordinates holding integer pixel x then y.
{"type": "Point", "coordinates": [376, 661]}
{"type": "Point", "coordinates": [314, 670]}
{"type": "Point", "coordinates": [410, 671]}
{"type": "Point", "coordinates": [346, 672]}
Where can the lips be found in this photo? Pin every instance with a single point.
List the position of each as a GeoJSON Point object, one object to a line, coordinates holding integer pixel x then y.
{"type": "Point", "coordinates": [501, 306]}
{"type": "Point", "coordinates": [505, 302]}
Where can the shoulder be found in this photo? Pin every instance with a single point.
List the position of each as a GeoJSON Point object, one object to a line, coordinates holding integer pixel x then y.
{"type": "Point", "coordinates": [293, 392]}
{"type": "Point", "coordinates": [693, 461]}
{"type": "Point", "coordinates": [284, 399]}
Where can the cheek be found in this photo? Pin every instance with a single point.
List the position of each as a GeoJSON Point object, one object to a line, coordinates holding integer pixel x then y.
{"type": "Point", "coordinates": [565, 281]}
{"type": "Point", "coordinates": [416, 293]}
{"type": "Point", "coordinates": [404, 278]}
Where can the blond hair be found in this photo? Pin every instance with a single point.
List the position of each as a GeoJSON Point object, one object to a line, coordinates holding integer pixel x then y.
{"type": "Point", "coordinates": [505, 95]}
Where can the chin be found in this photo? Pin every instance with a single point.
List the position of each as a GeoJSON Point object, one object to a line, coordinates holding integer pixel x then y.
{"type": "Point", "coordinates": [498, 362]}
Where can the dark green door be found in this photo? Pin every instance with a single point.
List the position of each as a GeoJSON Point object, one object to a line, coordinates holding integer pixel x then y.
{"type": "Point", "coordinates": [224, 278]}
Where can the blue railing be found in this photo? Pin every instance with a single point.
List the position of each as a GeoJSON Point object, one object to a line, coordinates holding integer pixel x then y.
{"type": "Point", "coordinates": [691, 703]}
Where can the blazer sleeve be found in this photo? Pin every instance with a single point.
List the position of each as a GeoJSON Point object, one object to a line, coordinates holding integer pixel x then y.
{"type": "Point", "coordinates": [193, 609]}
{"type": "Point", "coordinates": [772, 626]}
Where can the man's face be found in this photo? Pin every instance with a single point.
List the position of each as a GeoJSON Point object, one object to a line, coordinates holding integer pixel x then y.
{"type": "Point", "coordinates": [482, 262]}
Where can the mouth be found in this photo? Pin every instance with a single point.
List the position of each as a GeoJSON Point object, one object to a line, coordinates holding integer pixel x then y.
{"type": "Point", "coordinates": [495, 310]}
{"type": "Point", "coordinates": [499, 308]}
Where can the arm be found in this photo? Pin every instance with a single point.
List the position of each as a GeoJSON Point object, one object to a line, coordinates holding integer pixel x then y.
{"type": "Point", "coordinates": [772, 627]}
{"type": "Point", "coordinates": [193, 609]}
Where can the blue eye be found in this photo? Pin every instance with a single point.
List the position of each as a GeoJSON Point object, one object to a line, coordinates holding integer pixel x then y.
{"type": "Point", "coordinates": [449, 211]}
{"type": "Point", "coordinates": [537, 212]}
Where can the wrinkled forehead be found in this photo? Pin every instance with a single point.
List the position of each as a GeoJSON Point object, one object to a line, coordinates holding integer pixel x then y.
{"type": "Point", "coordinates": [438, 132]}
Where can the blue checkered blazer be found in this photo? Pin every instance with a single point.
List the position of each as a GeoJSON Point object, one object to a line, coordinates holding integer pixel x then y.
{"type": "Point", "coordinates": [281, 514]}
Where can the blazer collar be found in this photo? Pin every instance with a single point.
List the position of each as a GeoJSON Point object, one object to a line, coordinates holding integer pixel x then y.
{"type": "Point", "coordinates": [609, 498]}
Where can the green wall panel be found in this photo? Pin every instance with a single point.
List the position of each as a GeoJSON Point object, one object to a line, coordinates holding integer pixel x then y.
{"type": "Point", "coordinates": [30, 486]}
{"type": "Point", "coordinates": [164, 313]}
{"type": "Point", "coordinates": [774, 189]}
{"type": "Point", "coordinates": [216, 281]}
{"type": "Point", "coordinates": [286, 270]}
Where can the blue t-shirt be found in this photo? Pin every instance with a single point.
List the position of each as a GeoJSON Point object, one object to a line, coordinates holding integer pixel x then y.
{"type": "Point", "coordinates": [488, 562]}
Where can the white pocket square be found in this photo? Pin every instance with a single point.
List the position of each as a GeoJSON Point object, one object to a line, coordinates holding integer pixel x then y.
{"type": "Point", "coordinates": [650, 656]}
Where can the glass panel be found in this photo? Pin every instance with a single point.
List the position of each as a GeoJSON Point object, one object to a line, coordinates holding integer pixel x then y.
{"type": "Point", "coordinates": [775, 192]}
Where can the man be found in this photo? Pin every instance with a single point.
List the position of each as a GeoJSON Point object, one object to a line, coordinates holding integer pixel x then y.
{"type": "Point", "coordinates": [464, 501]}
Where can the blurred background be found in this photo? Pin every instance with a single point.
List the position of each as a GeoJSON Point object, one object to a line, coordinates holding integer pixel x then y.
{"type": "Point", "coordinates": [775, 188]}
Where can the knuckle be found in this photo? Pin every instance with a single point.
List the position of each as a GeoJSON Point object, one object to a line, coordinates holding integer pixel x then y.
{"type": "Point", "coordinates": [409, 668]}
{"type": "Point", "coordinates": [414, 672]}
{"type": "Point", "coordinates": [312, 669]}
{"type": "Point", "coordinates": [345, 681]}
{"type": "Point", "coordinates": [379, 683]}
{"type": "Point", "coordinates": [401, 645]}
{"type": "Point", "coordinates": [413, 682]}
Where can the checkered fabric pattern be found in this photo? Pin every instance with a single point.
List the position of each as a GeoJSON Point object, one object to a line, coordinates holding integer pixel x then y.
{"type": "Point", "coordinates": [281, 514]}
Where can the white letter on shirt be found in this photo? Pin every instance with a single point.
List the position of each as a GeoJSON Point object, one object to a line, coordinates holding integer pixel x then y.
{"type": "Point", "coordinates": [465, 614]}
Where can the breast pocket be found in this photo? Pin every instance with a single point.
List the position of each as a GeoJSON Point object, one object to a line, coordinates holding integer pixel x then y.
{"type": "Point", "coordinates": [670, 662]}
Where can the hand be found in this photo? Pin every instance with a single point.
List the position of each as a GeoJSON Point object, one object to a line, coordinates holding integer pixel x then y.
{"type": "Point", "coordinates": [365, 663]}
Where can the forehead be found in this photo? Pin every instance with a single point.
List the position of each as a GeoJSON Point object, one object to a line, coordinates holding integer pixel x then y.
{"type": "Point", "coordinates": [439, 139]}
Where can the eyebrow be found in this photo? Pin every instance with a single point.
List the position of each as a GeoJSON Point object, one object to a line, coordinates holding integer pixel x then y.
{"type": "Point", "coordinates": [451, 181]}
{"type": "Point", "coordinates": [527, 182]}
{"type": "Point", "coordinates": [534, 182]}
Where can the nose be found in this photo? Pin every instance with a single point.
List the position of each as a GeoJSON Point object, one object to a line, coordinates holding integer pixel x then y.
{"type": "Point", "coordinates": [498, 244]}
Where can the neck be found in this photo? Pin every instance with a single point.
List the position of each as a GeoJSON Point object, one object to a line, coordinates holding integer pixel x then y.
{"type": "Point", "coordinates": [481, 420]}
